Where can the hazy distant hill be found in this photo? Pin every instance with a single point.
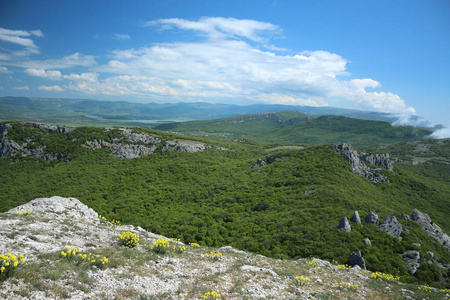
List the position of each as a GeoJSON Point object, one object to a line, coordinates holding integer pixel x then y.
{"type": "Point", "coordinates": [121, 113]}
{"type": "Point", "coordinates": [291, 127]}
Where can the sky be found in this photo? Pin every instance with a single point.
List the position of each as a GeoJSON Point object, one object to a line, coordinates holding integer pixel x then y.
{"type": "Point", "coordinates": [385, 56]}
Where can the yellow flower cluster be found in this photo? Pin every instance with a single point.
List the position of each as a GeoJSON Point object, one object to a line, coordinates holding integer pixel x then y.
{"type": "Point", "coordinates": [179, 249]}
{"type": "Point", "coordinates": [380, 276]}
{"type": "Point", "coordinates": [9, 261]}
{"type": "Point", "coordinates": [212, 295]}
{"type": "Point", "coordinates": [78, 257]}
{"type": "Point", "coordinates": [129, 239]}
{"type": "Point", "coordinates": [25, 212]}
{"type": "Point", "coordinates": [161, 246]}
{"type": "Point", "coordinates": [425, 288]}
{"type": "Point", "coordinates": [445, 290]}
{"type": "Point", "coordinates": [113, 223]}
{"type": "Point", "coordinates": [344, 267]}
{"type": "Point", "coordinates": [213, 255]}
{"type": "Point", "coordinates": [350, 285]}
{"type": "Point", "coordinates": [313, 263]}
{"type": "Point", "coordinates": [301, 280]}
{"type": "Point", "coordinates": [194, 245]}
{"type": "Point", "coordinates": [175, 240]}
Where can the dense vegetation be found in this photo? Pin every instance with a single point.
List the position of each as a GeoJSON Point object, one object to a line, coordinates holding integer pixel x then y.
{"type": "Point", "coordinates": [287, 209]}
{"type": "Point", "coordinates": [297, 128]}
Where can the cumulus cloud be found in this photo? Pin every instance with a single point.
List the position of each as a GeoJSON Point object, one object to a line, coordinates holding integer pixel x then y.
{"type": "Point", "coordinates": [54, 88]}
{"type": "Point", "coordinates": [50, 74]}
{"type": "Point", "coordinates": [92, 77]}
{"type": "Point", "coordinates": [234, 60]}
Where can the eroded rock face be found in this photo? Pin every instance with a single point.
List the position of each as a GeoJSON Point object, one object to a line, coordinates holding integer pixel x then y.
{"type": "Point", "coordinates": [411, 259]}
{"type": "Point", "coordinates": [392, 226]}
{"type": "Point", "coordinates": [355, 218]}
{"type": "Point", "coordinates": [372, 217]}
{"type": "Point", "coordinates": [358, 159]}
{"type": "Point", "coordinates": [58, 206]}
{"type": "Point", "coordinates": [356, 259]}
{"type": "Point", "coordinates": [367, 242]}
{"type": "Point", "coordinates": [344, 225]}
{"type": "Point", "coordinates": [431, 228]}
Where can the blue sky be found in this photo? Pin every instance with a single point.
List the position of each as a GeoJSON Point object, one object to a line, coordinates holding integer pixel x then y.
{"type": "Point", "coordinates": [388, 56]}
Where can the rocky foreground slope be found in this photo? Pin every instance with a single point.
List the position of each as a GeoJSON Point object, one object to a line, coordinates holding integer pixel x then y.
{"type": "Point", "coordinates": [55, 224]}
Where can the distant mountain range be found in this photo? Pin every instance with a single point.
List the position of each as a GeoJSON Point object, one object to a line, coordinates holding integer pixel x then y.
{"type": "Point", "coordinates": [122, 113]}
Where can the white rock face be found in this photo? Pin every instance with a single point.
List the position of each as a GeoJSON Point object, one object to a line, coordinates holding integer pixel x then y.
{"type": "Point", "coordinates": [59, 207]}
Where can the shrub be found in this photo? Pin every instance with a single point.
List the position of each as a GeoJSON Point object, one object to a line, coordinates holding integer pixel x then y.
{"type": "Point", "coordinates": [160, 246]}
{"type": "Point", "coordinates": [76, 256]}
{"type": "Point", "coordinates": [8, 263]}
{"type": "Point", "coordinates": [129, 239]}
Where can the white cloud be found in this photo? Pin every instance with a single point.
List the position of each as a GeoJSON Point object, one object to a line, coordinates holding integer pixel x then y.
{"type": "Point", "coordinates": [92, 77]}
{"type": "Point", "coordinates": [37, 33]}
{"type": "Point", "coordinates": [70, 61]}
{"type": "Point", "coordinates": [3, 70]}
{"type": "Point", "coordinates": [19, 37]}
{"type": "Point", "coordinates": [50, 74]}
{"type": "Point", "coordinates": [23, 88]}
{"type": "Point", "coordinates": [441, 133]}
{"type": "Point", "coordinates": [221, 27]}
{"type": "Point", "coordinates": [54, 88]}
{"type": "Point", "coordinates": [235, 61]}
{"type": "Point", "coordinates": [121, 37]}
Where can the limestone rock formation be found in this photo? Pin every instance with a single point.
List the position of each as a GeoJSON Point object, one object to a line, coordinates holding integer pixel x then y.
{"type": "Point", "coordinates": [367, 242]}
{"type": "Point", "coordinates": [356, 259]}
{"type": "Point", "coordinates": [259, 163]}
{"type": "Point", "coordinates": [392, 226]}
{"type": "Point", "coordinates": [356, 218]}
{"type": "Point", "coordinates": [372, 217]}
{"type": "Point", "coordinates": [58, 207]}
{"type": "Point", "coordinates": [344, 225]}
{"type": "Point", "coordinates": [358, 159]}
{"type": "Point", "coordinates": [431, 228]}
{"type": "Point", "coordinates": [411, 259]}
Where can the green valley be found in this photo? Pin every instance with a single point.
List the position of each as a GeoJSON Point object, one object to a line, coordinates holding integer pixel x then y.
{"type": "Point", "coordinates": [205, 190]}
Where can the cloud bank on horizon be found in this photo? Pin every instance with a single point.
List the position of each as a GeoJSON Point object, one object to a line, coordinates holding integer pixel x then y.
{"type": "Point", "coordinates": [225, 60]}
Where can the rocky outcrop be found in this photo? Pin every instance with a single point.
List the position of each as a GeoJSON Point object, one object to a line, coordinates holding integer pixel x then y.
{"type": "Point", "coordinates": [48, 127]}
{"type": "Point", "coordinates": [4, 130]}
{"type": "Point", "coordinates": [344, 225]}
{"type": "Point", "coordinates": [431, 228]}
{"type": "Point", "coordinates": [58, 207]}
{"type": "Point", "coordinates": [10, 148]}
{"type": "Point", "coordinates": [355, 218]}
{"type": "Point", "coordinates": [260, 162]}
{"type": "Point", "coordinates": [185, 146]}
{"type": "Point", "coordinates": [367, 242]}
{"type": "Point", "coordinates": [411, 259]}
{"type": "Point", "coordinates": [356, 259]}
{"type": "Point", "coordinates": [372, 217]}
{"type": "Point", "coordinates": [358, 162]}
{"type": "Point", "coordinates": [130, 151]}
{"type": "Point", "coordinates": [140, 137]}
{"type": "Point", "coordinates": [392, 226]}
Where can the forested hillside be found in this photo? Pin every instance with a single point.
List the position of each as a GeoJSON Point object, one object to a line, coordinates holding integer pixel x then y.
{"type": "Point", "coordinates": [290, 127]}
{"type": "Point", "coordinates": [288, 208]}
